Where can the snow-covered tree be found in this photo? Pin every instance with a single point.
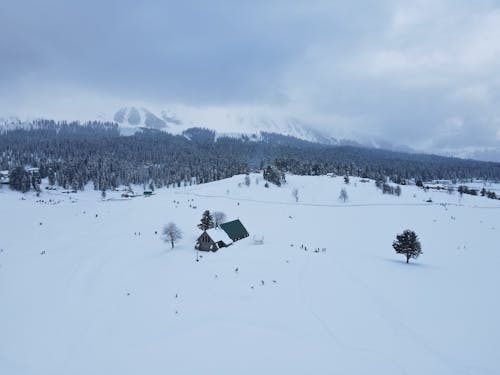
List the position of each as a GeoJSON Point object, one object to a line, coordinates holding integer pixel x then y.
{"type": "Point", "coordinates": [343, 195]}
{"type": "Point", "coordinates": [407, 243]}
{"type": "Point", "coordinates": [295, 194]}
{"type": "Point", "coordinates": [397, 190]}
{"type": "Point", "coordinates": [171, 233]}
{"type": "Point", "coordinates": [20, 179]}
{"type": "Point", "coordinates": [247, 180]}
{"type": "Point", "coordinates": [219, 218]}
{"type": "Point", "coordinates": [207, 221]}
{"type": "Point", "coordinates": [274, 175]}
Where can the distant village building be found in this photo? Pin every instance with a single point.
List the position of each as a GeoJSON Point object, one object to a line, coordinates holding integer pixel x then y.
{"type": "Point", "coordinates": [223, 236]}
{"type": "Point", "coordinates": [4, 177]}
{"type": "Point", "coordinates": [35, 174]}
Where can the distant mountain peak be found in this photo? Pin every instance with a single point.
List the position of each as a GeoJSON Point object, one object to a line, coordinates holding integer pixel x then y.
{"type": "Point", "coordinates": [133, 117]}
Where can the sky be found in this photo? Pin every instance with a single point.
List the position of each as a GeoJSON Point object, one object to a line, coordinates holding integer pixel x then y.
{"type": "Point", "coordinates": [421, 73]}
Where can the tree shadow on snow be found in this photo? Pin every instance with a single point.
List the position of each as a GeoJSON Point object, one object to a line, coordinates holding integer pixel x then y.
{"type": "Point", "coordinates": [412, 264]}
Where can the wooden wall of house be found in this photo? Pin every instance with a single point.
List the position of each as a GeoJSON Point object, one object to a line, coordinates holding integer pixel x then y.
{"type": "Point", "coordinates": [205, 243]}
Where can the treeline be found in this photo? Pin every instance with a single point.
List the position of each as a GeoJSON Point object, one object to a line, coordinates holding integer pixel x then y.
{"type": "Point", "coordinates": [73, 154]}
{"type": "Point", "coordinates": [462, 189]}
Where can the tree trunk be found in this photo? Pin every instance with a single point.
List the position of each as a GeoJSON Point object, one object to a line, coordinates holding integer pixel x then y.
{"type": "Point", "coordinates": [407, 258]}
{"type": "Point", "coordinates": [172, 240]}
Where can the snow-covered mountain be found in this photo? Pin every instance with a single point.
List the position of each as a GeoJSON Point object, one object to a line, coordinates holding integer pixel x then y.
{"type": "Point", "coordinates": [131, 119]}
{"type": "Point", "coordinates": [476, 153]}
{"type": "Point", "coordinates": [246, 121]}
{"type": "Point", "coordinates": [10, 122]}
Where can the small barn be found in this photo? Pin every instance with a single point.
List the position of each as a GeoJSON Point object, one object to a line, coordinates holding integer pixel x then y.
{"type": "Point", "coordinates": [235, 230]}
{"type": "Point", "coordinates": [4, 177]}
{"type": "Point", "coordinates": [213, 240]}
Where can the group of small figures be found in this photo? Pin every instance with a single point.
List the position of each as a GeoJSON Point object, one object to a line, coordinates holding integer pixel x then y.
{"type": "Point", "coordinates": [316, 250]}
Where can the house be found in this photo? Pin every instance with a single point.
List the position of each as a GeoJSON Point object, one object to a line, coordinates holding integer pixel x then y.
{"type": "Point", "coordinates": [235, 230]}
{"type": "Point", "coordinates": [4, 177]}
{"type": "Point", "coordinates": [35, 174]}
{"type": "Point", "coordinates": [213, 240]}
{"type": "Point", "coordinates": [223, 236]}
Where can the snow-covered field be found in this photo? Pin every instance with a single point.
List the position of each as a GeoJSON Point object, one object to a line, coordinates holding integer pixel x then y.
{"type": "Point", "coordinates": [88, 287]}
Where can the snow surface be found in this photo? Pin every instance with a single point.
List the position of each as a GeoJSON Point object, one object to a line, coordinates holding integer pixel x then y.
{"type": "Point", "coordinates": [87, 287]}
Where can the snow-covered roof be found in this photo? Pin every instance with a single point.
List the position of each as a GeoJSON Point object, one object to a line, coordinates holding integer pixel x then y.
{"type": "Point", "coordinates": [219, 235]}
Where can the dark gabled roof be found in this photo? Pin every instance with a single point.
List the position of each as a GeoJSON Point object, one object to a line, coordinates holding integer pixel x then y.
{"type": "Point", "coordinates": [235, 230]}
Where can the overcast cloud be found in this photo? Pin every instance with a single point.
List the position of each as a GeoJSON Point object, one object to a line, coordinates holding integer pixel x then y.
{"type": "Point", "coordinates": [420, 73]}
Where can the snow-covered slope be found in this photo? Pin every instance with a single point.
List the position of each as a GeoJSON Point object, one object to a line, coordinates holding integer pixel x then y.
{"type": "Point", "coordinates": [88, 287]}
{"type": "Point", "coordinates": [477, 153]}
{"type": "Point", "coordinates": [134, 118]}
{"type": "Point", "coordinates": [232, 123]}
{"type": "Point", "coordinates": [10, 123]}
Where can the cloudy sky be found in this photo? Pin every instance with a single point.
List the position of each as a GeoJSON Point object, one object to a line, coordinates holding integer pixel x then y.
{"type": "Point", "coordinates": [423, 73]}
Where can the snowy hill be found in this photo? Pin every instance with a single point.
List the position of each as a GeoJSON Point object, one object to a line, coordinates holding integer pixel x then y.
{"type": "Point", "coordinates": [227, 123]}
{"type": "Point", "coordinates": [476, 153]}
{"type": "Point", "coordinates": [132, 118]}
{"type": "Point", "coordinates": [88, 286]}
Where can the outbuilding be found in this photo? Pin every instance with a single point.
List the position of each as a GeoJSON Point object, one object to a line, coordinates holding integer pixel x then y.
{"type": "Point", "coordinates": [4, 177]}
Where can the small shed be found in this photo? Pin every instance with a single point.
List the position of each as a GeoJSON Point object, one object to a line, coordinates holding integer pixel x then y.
{"type": "Point", "coordinates": [235, 230]}
{"type": "Point", "coordinates": [4, 177]}
{"type": "Point", "coordinates": [213, 240]}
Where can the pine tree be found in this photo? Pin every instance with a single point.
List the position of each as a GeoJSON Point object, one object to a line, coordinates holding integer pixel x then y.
{"type": "Point", "coordinates": [408, 244]}
{"type": "Point", "coordinates": [397, 190]}
{"type": "Point", "coordinates": [207, 221]}
{"type": "Point", "coordinates": [273, 175]}
{"type": "Point", "coordinates": [20, 179]}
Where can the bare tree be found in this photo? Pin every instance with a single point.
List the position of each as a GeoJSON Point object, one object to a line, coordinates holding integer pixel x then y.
{"type": "Point", "coordinates": [343, 195]}
{"type": "Point", "coordinates": [295, 194]}
{"type": "Point", "coordinates": [171, 233]}
{"type": "Point", "coordinates": [219, 217]}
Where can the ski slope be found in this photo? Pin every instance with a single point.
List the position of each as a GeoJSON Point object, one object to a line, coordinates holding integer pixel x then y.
{"type": "Point", "coordinates": [88, 287]}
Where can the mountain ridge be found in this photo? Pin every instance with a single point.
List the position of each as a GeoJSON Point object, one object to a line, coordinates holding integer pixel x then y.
{"type": "Point", "coordinates": [132, 119]}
